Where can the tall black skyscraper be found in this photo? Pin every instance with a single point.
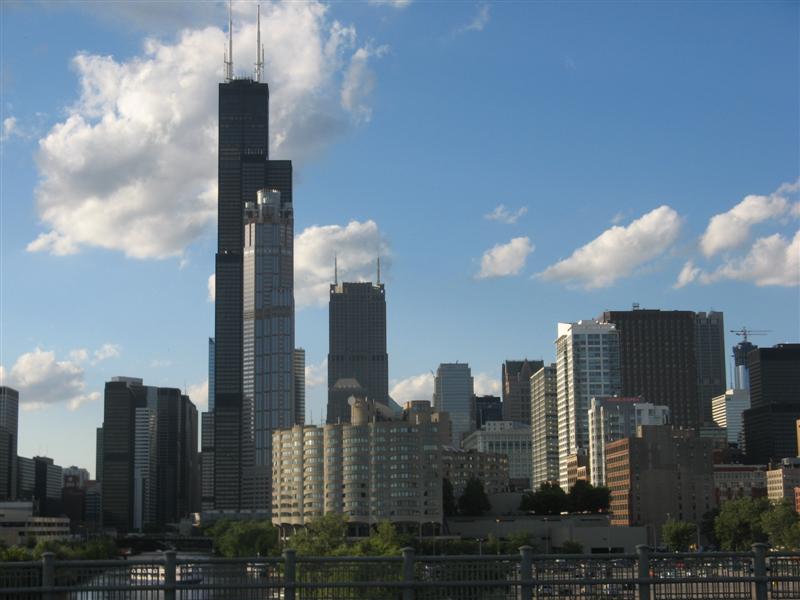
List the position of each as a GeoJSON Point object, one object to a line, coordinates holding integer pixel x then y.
{"type": "Point", "coordinates": [243, 169]}
{"type": "Point", "coordinates": [357, 344]}
{"type": "Point", "coordinates": [9, 424]}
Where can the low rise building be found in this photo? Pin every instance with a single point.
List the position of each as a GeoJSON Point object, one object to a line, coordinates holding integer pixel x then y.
{"type": "Point", "coordinates": [578, 468]}
{"type": "Point", "coordinates": [734, 481]}
{"type": "Point", "coordinates": [18, 525]}
{"type": "Point", "coordinates": [782, 479]}
{"type": "Point", "coordinates": [510, 438]}
{"type": "Point", "coordinates": [459, 466]}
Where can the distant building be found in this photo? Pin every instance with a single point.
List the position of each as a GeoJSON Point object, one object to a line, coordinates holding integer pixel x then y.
{"type": "Point", "coordinates": [613, 418]}
{"type": "Point", "coordinates": [357, 344]}
{"type": "Point", "coordinates": [9, 431]}
{"type": "Point", "coordinates": [727, 410]}
{"type": "Point", "coordinates": [459, 466]}
{"type": "Point", "coordinates": [587, 365]}
{"type": "Point", "coordinates": [661, 473]}
{"type": "Point", "coordinates": [453, 391]}
{"type": "Point", "coordinates": [485, 409]}
{"type": "Point", "coordinates": [709, 348]}
{"type": "Point", "coordinates": [577, 468]}
{"type": "Point", "coordinates": [741, 374]}
{"type": "Point", "coordinates": [48, 480]}
{"type": "Point", "coordinates": [544, 427]}
{"type": "Point", "coordinates": [375, 467]}
{"type": "Point", "coordinates": [733, 481]}
{"type": "Point", "coordinates": [26, 478]}
{"type": "Point", "coordinates": [782, 479]}
{"type": "Point", "coordinates": [516, 382]}
{"type": "Point", "coordinates": [299, 370]}
{"type": "Point", "coordinates": [150, 461]}
{"type": "Point", "coordinates": [18, 525]}
{"type": "Point", "coordinates": [511, 438]}
{"type": "Point", "coordinates": [207, 461]}
{"type": "Point", "coordinates": [769, 423]}
{"type": "Point", "coordinates": [74, 477]}
{"type": "Point", "coordinates": [98, 454]}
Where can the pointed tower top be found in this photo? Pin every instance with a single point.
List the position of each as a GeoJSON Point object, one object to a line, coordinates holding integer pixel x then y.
{"type": "Point", "coordinates": [379, 270]}
{"type": "Point", "coordinates": [335, 271]}
{"type": "Point", "coordinates": [259, 47]}
{"type": "Point", "coordinates": [229, 54]}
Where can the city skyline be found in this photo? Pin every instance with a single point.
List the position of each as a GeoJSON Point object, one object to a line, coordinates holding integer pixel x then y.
{"type": "Point", "coordinates": [117, 317]}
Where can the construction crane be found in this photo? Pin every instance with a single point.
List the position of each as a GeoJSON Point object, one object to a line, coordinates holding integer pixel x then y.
{"type": "Point", "coordinates": [744, 332]}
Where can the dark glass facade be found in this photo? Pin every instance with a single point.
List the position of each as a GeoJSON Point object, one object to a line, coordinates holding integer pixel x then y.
{"type": "Point", "coordinates": [486, 408]}
{"type": "Point", "coordinates": [9, 425]}
{"type": "Point", "coordinates": [516, 378]}
{"type": "Point", "coordinates": [357, 344]}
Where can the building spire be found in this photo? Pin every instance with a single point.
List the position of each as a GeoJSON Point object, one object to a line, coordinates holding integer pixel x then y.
{"type": "Point", "coordinates": [379, 270]}
{"type": "Point", "coordinates": [259, 47]}
{"type": "Point", "coordinates": [229, 53]}
{"type": "Point", "coordinates": [335, 271]}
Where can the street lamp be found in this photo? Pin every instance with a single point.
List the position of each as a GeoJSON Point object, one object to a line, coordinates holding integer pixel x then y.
{"type": "Point", "coordinates": [497, 531]}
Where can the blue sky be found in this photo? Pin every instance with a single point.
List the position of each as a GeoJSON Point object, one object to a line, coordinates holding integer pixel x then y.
{"type": "Point", "coordinates": [629, 152]}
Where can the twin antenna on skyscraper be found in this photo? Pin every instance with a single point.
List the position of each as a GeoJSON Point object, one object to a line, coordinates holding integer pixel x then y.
{"type": "Point", "coordinates": [336, 270]}
{"type": "Point", "coordinates": [228, 58]}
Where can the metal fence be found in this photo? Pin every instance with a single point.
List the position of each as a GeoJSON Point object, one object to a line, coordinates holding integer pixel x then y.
{"type": "Point", "coordinates": [645, 575]}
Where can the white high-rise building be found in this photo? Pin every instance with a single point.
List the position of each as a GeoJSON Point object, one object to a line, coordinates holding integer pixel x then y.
{"type": "Point", "coordinates": [727, 409]}
{"type": "Point", "coordinates": [510, 438]}
{"type": "Point", "coordinates": [587, 365]}
{"type": "Point", "coordinates": [611, 419]}
{"type": "Point", "coordinates": [453, 389]}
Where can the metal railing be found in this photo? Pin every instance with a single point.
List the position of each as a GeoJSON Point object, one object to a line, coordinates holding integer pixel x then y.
{"type": "Point", "coordinates": [645, 575]}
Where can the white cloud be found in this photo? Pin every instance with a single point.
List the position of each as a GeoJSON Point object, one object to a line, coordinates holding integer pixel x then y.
{"type": "Point", "coordinates": [688, 274]}
{"type": "Point", "coordinates": [44, 381]}
{"type": "Point", "coordinates": [138, 147]}
{"type": "Point", "coordinates": [198, 394]}
{"type": "Point", "coordinates": [505, 259]}
{"type": "Point", "coordinates": [9, 128]}
{"type": "Point", "coordinates": [485, 385]}
{"type": "Point", "coordinates": [359, 82]}
{"type": "Point", "coordinates": [478, 22]}
{"type": "Point", "coordinates": [731, 229]}
{"type": "Point", "coordinates": [773, 260]}
{"type": "Point", "coordinates": [317, 375]}
{"type": "Point", "coordinates": [212, 287]}
{"type": "Point", "coordinates": [502, 214]}
{"type": "Point", "coordinates": [105, 352]}
{"type": "Point", "coordinates": [618, 251]}
{"type": "Point", "coordinates": [356, 246]}
{"type": "Point", "coordinates": [416, 387]}
{"type": "Point", "coordinates": [392, 3]}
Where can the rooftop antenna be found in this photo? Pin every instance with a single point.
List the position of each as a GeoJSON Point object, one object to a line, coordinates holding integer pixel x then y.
{"type": "Point", "coordinates": [229, 54]}
{"type": "Point", "coordinates": [379, 270]}
{"type": "Point", "coordinates": [259, 47]}
{"type": "Point", "coordinates": [335, 271]}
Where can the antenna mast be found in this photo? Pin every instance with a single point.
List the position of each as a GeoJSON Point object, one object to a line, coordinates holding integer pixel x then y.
{"type": "Point", "coordinates": [379, 270]}
{"type": "Point", "coordinates": [229, 54]}
{"type": "Point", "coordinates": [259, 48]}
{"type": "Point", "coordinates": [335, 271]}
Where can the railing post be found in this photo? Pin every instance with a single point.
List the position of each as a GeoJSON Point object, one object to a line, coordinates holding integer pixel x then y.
{"type": "Point", "coordinates": [643, 562]}
{"type": "Point", "coordinates": [759, 571]}
{"type": "Point", "coordinates": [289, 575]}
{"type": "Point", "coordinates": [526, 572]}
{"type": "Point", "coordinates": [48, 573]}
{"type": "Point", "coordinates": [408, 573]}
{"type": "Point", "coordinates": [170, 568]}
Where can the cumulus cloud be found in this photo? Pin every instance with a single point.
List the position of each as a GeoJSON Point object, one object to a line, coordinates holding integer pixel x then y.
{"type": "Point", "coordinates": [9, 128]}
{"type": "Point", "coordinates": [392, 3]}
{"type": "Point", "coordinates": [486, 385]}
{"type": "Point", "coordinates": [731, 229]}
{"type": "Point", "coordinates": [505, 259]}
{"type": "Point", "coordinates": [502, 214]}
{"type": "Point", "coordinates": [105, 352]}
{"type": "Point", "coordinates": [198, 393]}
{"type": "Point", "coordinates": [356, 246]}
{"type": "Point", "coordinates": [478, 22]}
{"type": "Point", "coordinates": [416, 387]}
{"type": "Point", "coordinates": [773, 260]}
{"type": "Point", "coordinates": [212, 287]}
{"type": "Point", "coordinates": [43, 380]}
{"type": "Point", "coordinates": [138, 147]}
{"type": "Point", "coordinates": [317, 375]}
{"type": "Point", "coordinates": [618, 251]}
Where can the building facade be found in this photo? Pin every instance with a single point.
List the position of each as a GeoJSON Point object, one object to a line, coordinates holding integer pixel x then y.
{"type": "Point", "coordinates": [612, 419]}
{"type": "Point", "coordinates": [587, 365]}
{"type": "Point", "coordinates": [9, 431]}
{"type": "Point", "coordinates": [544, 427]}
{"type": "Point", "coordinates": [734, 481]}
{"type": "Point", "coordinates": [709, 348]}
{"type": "Point", "coordinates": [299, 365]}
{"type": "Point", "coordinates": [782, 479]}
{"type": "Point", "coordinates": [511, 438]}
{"type": "Point", "coordinates": [357, 344]}
{"type": "Point", "coordinates": [769, 431]}
{"type": "Point", "coordinates": [516, 381]}
{"type": "Point", "coordinates": [727, 410]}
{"type": "Point", "coordinates": [376, 467]}
{"type": "Point", "coordinates": [452, 393]}
{"type": "Point", "coordinates": [660, 474]}
{"type": "Point", "coordinates": [485, 409]}
{"type": "Point", "coordinates": [19, 525]}
{"type": "Point", "coordinates": [459, 466]}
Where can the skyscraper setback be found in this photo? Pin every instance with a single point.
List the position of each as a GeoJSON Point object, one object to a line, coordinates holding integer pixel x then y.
{"type": "Point", "coordinates": [243, 170]}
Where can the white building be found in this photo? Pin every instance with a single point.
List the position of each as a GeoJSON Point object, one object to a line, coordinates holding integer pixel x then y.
{"type": "Point", "coordinates": [510, 438]}
{"type": "Point", "coordinates": [587, 365]}
{"type": "Point", "coordinates": [453, 389]}
{"type": "Point", "coordinates": [18, 525]}
{"type": "Point", "coordinates": [727, 409]}
{"type": "Point", "coordinates": [611, 419]}
{"type": "Point", "coordinates": [544, 427]}
{"type": "Point", "coordinates": [782, 480]}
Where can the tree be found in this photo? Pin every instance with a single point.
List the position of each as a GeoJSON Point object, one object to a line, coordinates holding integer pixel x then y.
{"type": "Point", "coordinates": [550, 499]}
{"type": "Point", "coordinates": [244, 538]}
{"type": "Point", "coordinates": [780, 523]}
{"type": "Point", "coordinates": [384, 540]}
{"type": "Point", "coordinates": [323, 536]}
{"type": "Point", "coordinates": [474, 501]}
{"type": "Point", "coordinates": [707, 527]}
{"type": "Point", "coordinates": [448, 499]}
{"type": "Point", "coordinates": [584, 497]}
{"type": "Point", "coordinates": [678, 535]}
{"type": "Point", "coordinates": [739, 523]}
